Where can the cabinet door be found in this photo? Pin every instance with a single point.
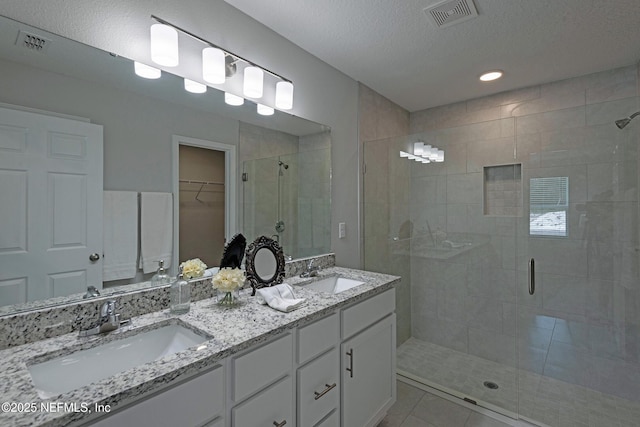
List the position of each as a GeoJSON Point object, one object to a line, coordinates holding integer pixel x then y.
{"type": "Point", "coordinates": [271, 407]}
{"type": "Point", "coordinates": [318, 388]}
{"type": "Point", "coordinates": [189, 404]}
{"type": "Point", "coordinates": [368, 374]}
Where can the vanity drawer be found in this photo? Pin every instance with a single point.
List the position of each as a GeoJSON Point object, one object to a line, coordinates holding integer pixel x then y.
{"type": "Point", "coordinates": [317, 337]}
{"type": "Point", "coordinates": [268, 408]}
{"type": "Point", "coordinates": [332, 420]}
{"type": "Point", "coordinates": [260, 367]}
{"type": "Point", "coordinates": [192, 403]}
{"type": "Point", "coordinates": [318, 388]}
{"type": "Point", "coordinates": [367, 312]}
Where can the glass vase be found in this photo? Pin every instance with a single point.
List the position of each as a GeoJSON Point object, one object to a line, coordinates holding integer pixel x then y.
{"type": "Point", "coordinates": [228, 299]}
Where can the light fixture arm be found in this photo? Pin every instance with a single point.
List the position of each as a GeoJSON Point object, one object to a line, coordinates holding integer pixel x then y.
{"type": "Point", "coordinates": [207, 42]}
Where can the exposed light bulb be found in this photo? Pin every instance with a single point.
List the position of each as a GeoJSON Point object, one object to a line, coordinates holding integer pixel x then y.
{"type": "Point", "coordinates": [164, 45]}
{"type": "Point", "coordinates": [146, 71]}
{"type": "Point", "coordinates": [284, 95]}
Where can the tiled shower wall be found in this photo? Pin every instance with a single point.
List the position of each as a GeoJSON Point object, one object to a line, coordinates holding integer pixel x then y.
{"type": "Point", "coordinates": [314, 195]}
{"type": "Point", "coordinates": [305, 188]}
{"type": "Point", "coordinates": [258, 206]}
{"type": "Point", "coordinates": [563, 128]}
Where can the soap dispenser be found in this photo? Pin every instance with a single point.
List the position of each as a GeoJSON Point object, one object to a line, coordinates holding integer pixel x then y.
{"type": "Point", "coordinates": [161, 277]}
{"type": "Point", "coordinates": [180, 293]}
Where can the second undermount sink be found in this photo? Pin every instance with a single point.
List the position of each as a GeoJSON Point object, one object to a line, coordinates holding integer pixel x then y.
{"type": "Point", "coordinates": [72, 371]}
{"type": "Point", "coordinates": [332, 284]}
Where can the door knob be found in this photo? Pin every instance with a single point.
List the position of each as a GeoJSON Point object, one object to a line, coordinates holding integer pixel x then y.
{"type": "Point", "coordinates": [94, 257]}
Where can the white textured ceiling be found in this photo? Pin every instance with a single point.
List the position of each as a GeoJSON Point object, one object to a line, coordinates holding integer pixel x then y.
{"type": "Point", "coordinates": [391, 46]}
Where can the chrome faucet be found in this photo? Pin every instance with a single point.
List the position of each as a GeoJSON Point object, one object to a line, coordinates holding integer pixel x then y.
{"type": "Point", "coordinates": [92, 292]}
{"type": "Point", "coordinates": [108, 321]}
{"type": "Point", "coordinates": [311, 271]}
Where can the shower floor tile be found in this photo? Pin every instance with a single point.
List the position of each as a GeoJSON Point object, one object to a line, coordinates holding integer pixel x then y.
{"type": "Point", "coordinates": [542, 399]}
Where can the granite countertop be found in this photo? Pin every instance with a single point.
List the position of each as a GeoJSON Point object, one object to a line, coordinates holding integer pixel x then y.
{"type": "Point", "coordinates": [233, 330]}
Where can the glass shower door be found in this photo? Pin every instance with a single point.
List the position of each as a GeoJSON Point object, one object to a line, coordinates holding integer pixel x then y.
{"type": "Point", "coordinates": [449, 229]}
{"type": "Point", "coordinates": [578, 322]}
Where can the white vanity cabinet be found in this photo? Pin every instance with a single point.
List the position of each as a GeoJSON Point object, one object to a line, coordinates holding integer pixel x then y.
{"type": "Point", "coordinates": [368, 360]}
{"type": "Point", "coordinates": [338, 370]}
{"type": "Point", "coordinates": [262, 389]}
{"type": "Point", "coordinates": [318, 374]}
{"type": "Point", "coordinates": [196, 402]}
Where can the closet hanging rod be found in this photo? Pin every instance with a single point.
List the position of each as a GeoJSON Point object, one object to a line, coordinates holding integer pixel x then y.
{"type": "Point", "coordinates": [191, 181]}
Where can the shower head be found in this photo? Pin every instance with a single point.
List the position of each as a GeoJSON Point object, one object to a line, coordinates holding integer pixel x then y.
{"type": "Point", "coordinates": [281, 165]}
{"type": "Point", "coordinates": [623, 122]}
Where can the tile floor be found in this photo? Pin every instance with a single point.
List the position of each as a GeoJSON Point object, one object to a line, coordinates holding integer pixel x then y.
{"type": "Point", "coordinates": [546, 400]}
{"type": "Point", "coordinates": [418, 408]}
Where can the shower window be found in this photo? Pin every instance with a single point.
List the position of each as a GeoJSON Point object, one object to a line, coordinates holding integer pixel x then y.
{"type": "Point", "coordinates": [548, 206]}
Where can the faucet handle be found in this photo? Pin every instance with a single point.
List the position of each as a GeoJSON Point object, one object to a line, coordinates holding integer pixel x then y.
{"type": "Point", "coordinates": [108, 308]}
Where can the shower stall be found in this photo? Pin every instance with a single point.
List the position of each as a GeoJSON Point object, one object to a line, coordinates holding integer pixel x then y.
{"type": "Point", "coordinates": [288, 198]}
{"type": "Point", "coordinates": [520, 261]}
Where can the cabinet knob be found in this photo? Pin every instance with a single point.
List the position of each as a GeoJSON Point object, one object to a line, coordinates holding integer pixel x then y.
{"type": "Point", "coordinates": [275, 423]}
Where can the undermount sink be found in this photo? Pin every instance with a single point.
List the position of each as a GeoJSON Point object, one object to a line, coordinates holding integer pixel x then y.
{"type": "Point", "coordinates": [332, 285]}
{"type": "Point", "coordinates": [71, 371]}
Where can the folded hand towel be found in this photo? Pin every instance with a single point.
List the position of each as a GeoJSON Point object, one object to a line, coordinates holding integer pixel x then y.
{"type": "Point", "coordinates": [120, 231]}
{"type": "Point", "coordinates": [280, 297]}
{"type": "Point", "coordinates": [156, 235]}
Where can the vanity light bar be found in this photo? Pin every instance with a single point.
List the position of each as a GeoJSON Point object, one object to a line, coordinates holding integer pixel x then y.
{"type": "Point", "coordinates": [253, 73]}
{"type": "Point", "coordinates": [424, 153]}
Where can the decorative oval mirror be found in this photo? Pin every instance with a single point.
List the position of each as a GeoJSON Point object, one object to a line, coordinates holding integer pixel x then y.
{"type": "Point", "coordinates": [264, 263]}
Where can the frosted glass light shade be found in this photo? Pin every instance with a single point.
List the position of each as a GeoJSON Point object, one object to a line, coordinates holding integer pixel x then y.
{"type": "Point", "coordinates": [418, 148]}
{"type": "Point", "coordinates": [164, 45]}
{"type": "Point", "coordinates": [146, 71]}
{"type": "Point", "coordinates": [232, 99]}
{"type": "Point", "coordinates": [284, 95]}
{"type": "Point", "coordinates": [213, 66]}
{"type": "Point", "coordinates": [264, 110]}
{"type": "Point", "coordinates": [440, 156]}
{"type": "Point", "coordinates": [194, 87]}
{"type": "Point", "coordinates": [253, 82]}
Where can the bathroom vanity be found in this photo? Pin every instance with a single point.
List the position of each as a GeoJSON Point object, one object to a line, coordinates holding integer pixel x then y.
{"type": "Point", "coordinates": [329, 363]}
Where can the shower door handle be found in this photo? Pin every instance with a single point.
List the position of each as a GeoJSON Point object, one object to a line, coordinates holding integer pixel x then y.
{"type": "Point", "coordinates": [532, 276]}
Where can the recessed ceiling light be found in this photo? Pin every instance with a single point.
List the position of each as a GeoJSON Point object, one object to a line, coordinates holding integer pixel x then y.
{"type": "Point", "coordinates": [491, 75]}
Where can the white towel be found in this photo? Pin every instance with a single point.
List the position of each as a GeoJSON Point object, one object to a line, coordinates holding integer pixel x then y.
{"type": "Point", "coordinates": [120, 231]}
{"type": "Point", "coordinates": [280, 297]}
{"type": "Point", "coordinates": [210, 272]}
{"type": "Point", "coordinates": [156, 230]}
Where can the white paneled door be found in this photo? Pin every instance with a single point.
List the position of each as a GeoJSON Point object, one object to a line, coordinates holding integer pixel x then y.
{"type": "Point", "coordinates": [50, 206]}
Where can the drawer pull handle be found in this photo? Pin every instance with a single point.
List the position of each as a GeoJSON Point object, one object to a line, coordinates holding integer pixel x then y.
{"type": "Point", "coordinates": [350, 368]}
{"type": "Point", "coordinates": [277, 424]}
{"type": "Point", "coordinates": [325, 391]}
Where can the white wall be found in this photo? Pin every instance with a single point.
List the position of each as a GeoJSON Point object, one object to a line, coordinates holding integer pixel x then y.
{"type": "Point", "coordinates": [323, 94]}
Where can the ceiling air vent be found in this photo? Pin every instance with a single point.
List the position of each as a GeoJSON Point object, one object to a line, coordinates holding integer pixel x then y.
{"type": "Point", "coordinates": [451, 12]}
{"type": "Point", "coordinates": [32, 42]}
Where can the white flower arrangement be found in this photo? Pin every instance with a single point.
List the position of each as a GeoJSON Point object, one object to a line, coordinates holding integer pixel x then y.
{"type": "Point", "coordinates": [193, 268]}
{"type": "Point", "coordinates": [228, 279]}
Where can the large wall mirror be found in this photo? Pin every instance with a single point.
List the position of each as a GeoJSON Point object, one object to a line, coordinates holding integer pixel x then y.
{"type": "Point", "coordinates": [282, 165]}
